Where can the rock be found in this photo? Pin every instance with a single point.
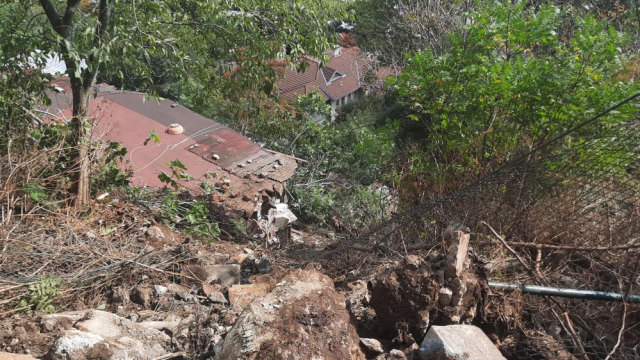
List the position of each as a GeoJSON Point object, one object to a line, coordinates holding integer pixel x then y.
{"type": "Point", "coordinates": [218, 298]}
{"type": "Point", "coordinates": [412, 262]}
{"type": "Point", "coordinates": [458, 342]}
{"type": "Point", "coordinates": [263, 265]}
{"type": "Point", "coordinates": [224, 275]}
{"type": "Point", "coordinates": [242, 295]}
{"type": "Point", "coordinates": [120, 295]}
{"type": "Point", "coordinates": [159, 290]}
{"type": "Point", "coordinates": [60, 321]}
{"type": "Point", "coordinates": [79, 345]}
{"type": "Point", "coordinates": [161, 325]}
{"type": "Point", "coordinates": [10, 356]}
{"type": "Point", "coordinates": [371, 346]}
{"type": "Point", "coordinates": [177, 288]}
{"type": "Point", "coordinates": [396, 354]}
{"type": "Point", "coordinates": [141, 295]}
{"type": "Point", "coordinates": [444, 296]}
{"type": "Point", "coordinates": [155, 232]}
{"type": "Point", "coordinates": [457, 254]}
{"type": "Point", "coordinates": [240, 259]}
{"type": "Point", "coordinates": [127, 340]}
{"type": "Point", "coordinates": [303, 318]}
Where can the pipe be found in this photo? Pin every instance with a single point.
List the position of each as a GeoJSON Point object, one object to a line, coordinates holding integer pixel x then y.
{"type": "Point", "coordinates": [570, 293]}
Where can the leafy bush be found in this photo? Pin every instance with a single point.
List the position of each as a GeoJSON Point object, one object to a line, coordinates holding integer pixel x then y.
{"type": "Point", "coordinates": [41, 296]}
{"type": "Point", "coordinates": [515, 77]}
{"type": "Point", "coordinates": [110, 175]}
{"type": "Point", "coordinates": [354, 208]}
{"type": "Point", "coordinates": [181, 210]}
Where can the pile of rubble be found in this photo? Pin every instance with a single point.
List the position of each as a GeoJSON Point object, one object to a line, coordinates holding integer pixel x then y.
{"type": "Point", "coordinates": [245, 307]}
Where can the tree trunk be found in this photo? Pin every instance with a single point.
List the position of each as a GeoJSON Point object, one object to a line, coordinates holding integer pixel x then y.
{"type": "Point", "coordinates": [80, 164]}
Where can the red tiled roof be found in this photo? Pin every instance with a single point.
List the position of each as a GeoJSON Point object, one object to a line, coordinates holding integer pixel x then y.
{"type": "Point", "coordinates": [339, 77]}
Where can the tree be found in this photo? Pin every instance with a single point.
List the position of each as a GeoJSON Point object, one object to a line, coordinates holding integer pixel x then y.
{"type": "Point", "coordinates": [393, 28]}
{"type": "Point", "coordinates": [515, 77]}
{"type": "Point", "coordinates": [192, 35]}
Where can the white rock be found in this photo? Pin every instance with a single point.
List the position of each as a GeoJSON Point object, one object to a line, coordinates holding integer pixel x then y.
{"type": "Point", "coordinates": [458, 342]}
{"type": "Point", "coordinates": [106, 332]}
{"type": "Point", "coordinates": [159, 290]}
{"type": "Point", "coordinates": [78, 345]}
{"type": "Point", "coordinates": [372, 346]}
{"type": "Point", "coordinates": [444, 296]}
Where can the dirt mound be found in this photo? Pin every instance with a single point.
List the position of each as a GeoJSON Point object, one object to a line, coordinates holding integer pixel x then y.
{"type": "Point", "coordinates": [302, 318]}
{"type": "Point", "coordinates": [415, 294]}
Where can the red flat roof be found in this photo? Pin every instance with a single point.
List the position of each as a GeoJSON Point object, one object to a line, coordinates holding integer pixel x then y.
{"type": "Point", "coordinates": [129, 118]}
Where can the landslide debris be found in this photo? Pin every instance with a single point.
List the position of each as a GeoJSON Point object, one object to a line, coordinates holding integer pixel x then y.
{"type": "Point", "coordinates": [302, 318]}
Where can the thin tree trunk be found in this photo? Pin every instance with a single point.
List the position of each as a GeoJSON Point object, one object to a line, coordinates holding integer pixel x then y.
{"type": "Point", "coordinates": [80, 164]}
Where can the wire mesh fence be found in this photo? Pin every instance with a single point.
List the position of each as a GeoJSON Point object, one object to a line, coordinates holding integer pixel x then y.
{"type": "Point", "coordinates": [569, 210]}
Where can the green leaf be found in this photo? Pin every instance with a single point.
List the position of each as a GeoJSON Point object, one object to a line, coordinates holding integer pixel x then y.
{"type": "Point", "coordinates": [178, 164]}
{"type": "Point", "coordinates": [109, 230]}
{"type": "Point", "coordinates": [152, 135]}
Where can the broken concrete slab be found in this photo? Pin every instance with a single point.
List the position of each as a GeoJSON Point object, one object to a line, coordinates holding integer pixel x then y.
{"type": "Point", "coordinates": [224, 275]}
{"type": "Point", "coordinates": [242, 295]}
{"type": "Point", "coordinates": [458, 342]}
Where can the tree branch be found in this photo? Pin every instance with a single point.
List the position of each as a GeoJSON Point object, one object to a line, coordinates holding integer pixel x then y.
{"type": "Point", "coordinates": [104, 16]}
{"type": "Point", "coordinates": [52, 14]}
{"type": "Point", "coordinates": [67, 20]}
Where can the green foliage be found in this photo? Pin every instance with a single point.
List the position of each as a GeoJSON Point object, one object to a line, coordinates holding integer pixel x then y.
{"type": "Point", "coordinates": [240, 226]}
{"type": "Point", "coordinates": [356, 208]}
{"type": "Point", "coordinates": [110, 175]}
{"type": "Point", "coordinates": [314, 204]}
{"type": "Point", "coordinates": [191, 216]}
{"type": "Point", "coordinates": [152, 135]}
{"type": "Point", "coordinates": [41, 296]}
{"type": "Point", "coordinates": [514, 77]}
{"type": "Point", "coordinates": [178, 173]}
{"type": "Point", "coordinates": [205, 186]}
{"type": "Point", "coordinates": [35, 192]}
{"type": "Point", "coordinates": [361, 206]}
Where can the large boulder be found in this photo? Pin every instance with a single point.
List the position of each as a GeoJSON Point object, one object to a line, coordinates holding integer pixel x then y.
{"type": "Point", "coordinates": [302, 318]}
{"type": "Point", "coordinates": [102, 335]}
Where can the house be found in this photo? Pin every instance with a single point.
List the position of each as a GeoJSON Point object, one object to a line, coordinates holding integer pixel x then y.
{"type": "Point", "coordinates": [347, 76]}
{"type": "Point", "coordinates": [246, 174]}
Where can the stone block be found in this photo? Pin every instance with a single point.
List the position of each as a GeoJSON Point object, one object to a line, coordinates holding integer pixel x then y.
{"type": "Point", "coordinates": [242, 295]}
{"type": "Point", "coordinates": [458, 342]}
